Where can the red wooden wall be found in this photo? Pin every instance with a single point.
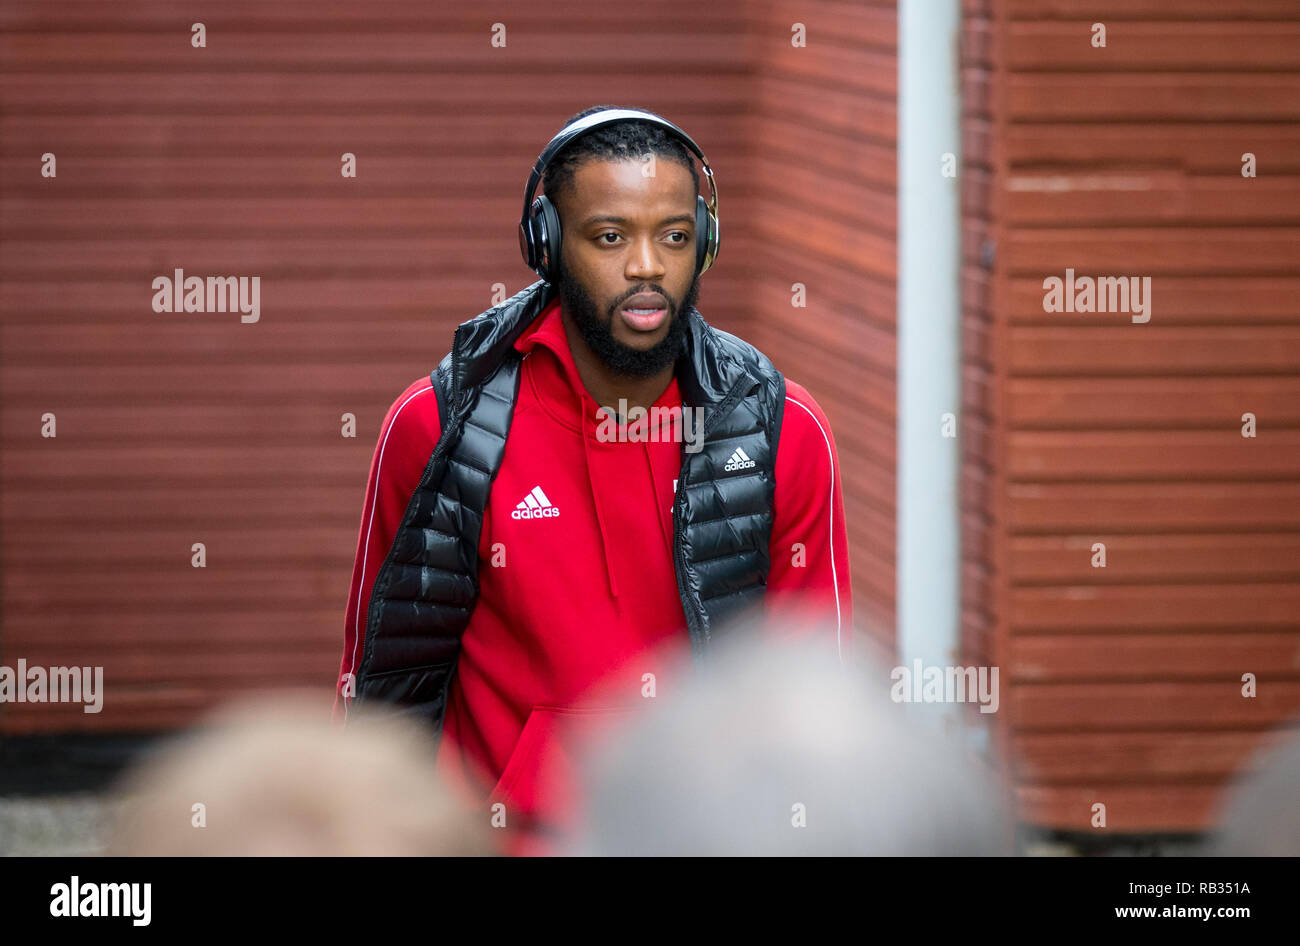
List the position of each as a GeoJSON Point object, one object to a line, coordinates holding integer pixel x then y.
{"type": "Point", "coordinates": [1123, 683]}
{"type": "Point", "coordinates": [825, 145]}
{"type": "Point", "coordinates": [978, 516]}
{"type": "Point", "coordinates": [178, 428]}
{"type": "Point", "coordinates": [1126, 681]}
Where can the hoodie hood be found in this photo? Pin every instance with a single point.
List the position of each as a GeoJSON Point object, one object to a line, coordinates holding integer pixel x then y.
{"type": "Point", "coordinates": [710, 377]}
{"type": "Point", "coordinates": [707, 377]}
{"type": "Point", "coordinates": [607, 449]}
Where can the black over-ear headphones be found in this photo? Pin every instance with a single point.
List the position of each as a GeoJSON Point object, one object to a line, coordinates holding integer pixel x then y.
{"type": "Point", "coordinates": [539, 227]}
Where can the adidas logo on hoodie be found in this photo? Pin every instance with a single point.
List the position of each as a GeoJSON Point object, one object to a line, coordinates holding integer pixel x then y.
{"type": "Point", "coordinates": [739, 461]}
{"type": "Point", "coordinates": [535, 505]}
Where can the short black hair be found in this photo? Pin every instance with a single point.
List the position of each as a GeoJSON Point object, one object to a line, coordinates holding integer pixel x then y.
{"type": "Point", "coordinates": [617, 142]}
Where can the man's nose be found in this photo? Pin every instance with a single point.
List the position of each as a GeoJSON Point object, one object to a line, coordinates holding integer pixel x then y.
{"type": "Point", "coordinates": [644, 261]}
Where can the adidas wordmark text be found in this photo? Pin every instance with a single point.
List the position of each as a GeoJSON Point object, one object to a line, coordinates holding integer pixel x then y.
{"type": "Point", "coordinates": [739, 461]}
{"type": "Point", "coordinates": [535, 505]}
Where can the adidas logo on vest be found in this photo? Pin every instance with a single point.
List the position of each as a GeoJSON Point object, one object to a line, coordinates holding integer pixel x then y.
{"type": "Point", "coordinates": [535, 505]}
{"type": "Point", "coordinates": [739, 461]}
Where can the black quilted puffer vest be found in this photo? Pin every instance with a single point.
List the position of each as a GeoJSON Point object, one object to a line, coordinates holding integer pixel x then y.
{"type": "Point", "coordinates": [427, 587]}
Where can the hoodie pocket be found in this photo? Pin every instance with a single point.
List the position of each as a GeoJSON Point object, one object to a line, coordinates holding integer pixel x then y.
{"type": "Point", "coordinates": [541, 778]}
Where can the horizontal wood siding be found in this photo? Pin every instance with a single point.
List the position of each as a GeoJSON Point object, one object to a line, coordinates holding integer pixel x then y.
{"type": "Point", "coordinates": [979, 521]}
{"type": "Point", "coordinates": [1125, 681]}
{"type": "Point", "coordinates": [825, 143]}
{"type": "Point", "coordinates": [181, 428]}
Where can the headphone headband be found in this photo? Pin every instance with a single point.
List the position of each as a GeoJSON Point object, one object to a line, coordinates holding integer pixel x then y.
{"type": "Point", "coordinates": [585, 124]}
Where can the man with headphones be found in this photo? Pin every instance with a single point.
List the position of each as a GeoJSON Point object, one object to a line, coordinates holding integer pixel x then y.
{"type": "Point", "coordinates": [592, 477]}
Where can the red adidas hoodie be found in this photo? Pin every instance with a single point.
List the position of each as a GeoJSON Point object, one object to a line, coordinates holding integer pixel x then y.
{"type": "Point", "coordinates": [582, 592]}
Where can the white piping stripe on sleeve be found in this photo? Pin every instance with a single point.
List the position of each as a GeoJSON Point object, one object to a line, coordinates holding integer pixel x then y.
{"type": "Point", "coordinates": [365, 551]}
{"type": "Point", "coordinates": [829, 453]}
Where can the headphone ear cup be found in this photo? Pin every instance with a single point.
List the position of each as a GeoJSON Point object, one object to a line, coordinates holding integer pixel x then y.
{"type": "Point", "coordinates": [530, 238]}
{"type": "Point", "coordinates": [706, 236]}
{"type": "Point", "coordinates": [547, 229]}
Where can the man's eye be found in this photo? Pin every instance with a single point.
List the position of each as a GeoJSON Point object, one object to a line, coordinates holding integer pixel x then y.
{"type": "Point", "coordinates": [683, 236]}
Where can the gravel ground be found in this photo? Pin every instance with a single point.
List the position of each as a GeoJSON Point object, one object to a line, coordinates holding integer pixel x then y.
{"type": "Point", "coordinates": [53, 826]}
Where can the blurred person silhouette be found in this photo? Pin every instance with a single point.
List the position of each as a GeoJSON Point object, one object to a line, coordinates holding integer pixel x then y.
{"type": "Point", "coordinates": [772, 748]}
{"type": "Point", "coordinates": [272, 775]}
{"type": "Point", "coordinates": [1259, 815]}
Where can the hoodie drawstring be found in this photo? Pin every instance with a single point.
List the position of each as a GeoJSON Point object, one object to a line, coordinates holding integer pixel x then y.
{"type": "Point", "coordinates": [595, 498]}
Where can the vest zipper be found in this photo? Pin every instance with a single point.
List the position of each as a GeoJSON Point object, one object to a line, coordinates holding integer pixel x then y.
{"type": "Point", "coordinates": [694, 620]}
{"type": "Point", "coordinates": [696, 617]}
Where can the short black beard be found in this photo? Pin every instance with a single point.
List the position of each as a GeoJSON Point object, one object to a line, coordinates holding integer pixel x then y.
{"type": "Point", "coordinates": [622, 359]}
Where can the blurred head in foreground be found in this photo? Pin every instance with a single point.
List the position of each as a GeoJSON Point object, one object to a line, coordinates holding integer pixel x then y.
{"type": "Point", "coordinates": [1261, 815]}
{"type": "Point", "coordinates": [778, 750]}
{"type": "Point", "coordinates": [274, 776]}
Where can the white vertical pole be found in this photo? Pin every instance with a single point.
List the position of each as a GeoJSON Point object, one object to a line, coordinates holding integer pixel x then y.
{"type": "Point", "coordinates": [929, 334]}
